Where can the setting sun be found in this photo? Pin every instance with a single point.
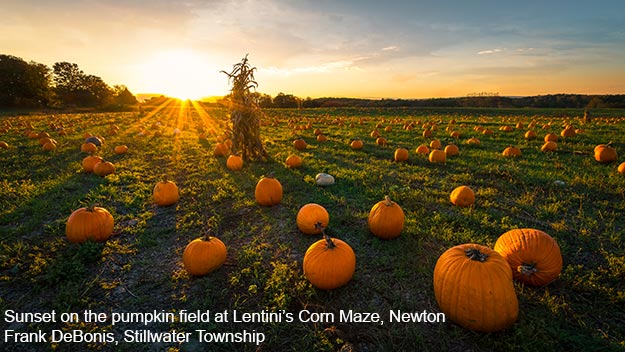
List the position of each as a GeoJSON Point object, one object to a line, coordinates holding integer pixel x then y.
{"type": "Point", "coordinates": [181, 74]}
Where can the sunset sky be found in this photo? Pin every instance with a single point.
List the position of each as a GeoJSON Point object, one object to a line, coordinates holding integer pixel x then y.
{"type": "Point", "coordinates": [406, 49]}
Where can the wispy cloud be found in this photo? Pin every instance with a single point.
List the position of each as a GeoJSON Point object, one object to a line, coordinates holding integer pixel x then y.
{"type": "Point", "coordinates": [490, 51]}
{"type": "Point", "coordinates": [389, 48]}
{"type": "Point", "coordinates": [327, 67]}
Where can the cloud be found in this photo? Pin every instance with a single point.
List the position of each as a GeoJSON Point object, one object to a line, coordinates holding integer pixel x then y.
{"type": "Point", "coordinates": [392, 47]}
{"type": "Point", "coordinates": [490, 51]}
{"type": "Point", "coordinates": [327, 67]}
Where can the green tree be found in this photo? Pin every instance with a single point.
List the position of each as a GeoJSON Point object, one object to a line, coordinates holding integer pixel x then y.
{"type": "Point", "coordinates": [265, 101]}
{"type": "Point", "coordinates": [23, 84]}
{"type": "Point", "coordinates": [594, 103]}
{"type": "Point", "coordinates": [68, 79]}
{"type": "Point", "coordinates": [285, 101]}
{"type": "Point", "coordinates": [98, 93]}
{"type": "Point", "coordinates": [123, 96]}
{"type": "Point", "coordinates": [75, 88]}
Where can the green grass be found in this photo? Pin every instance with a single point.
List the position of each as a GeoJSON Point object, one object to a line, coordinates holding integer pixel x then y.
{"type": "Point", "coordinates": [139, 269]}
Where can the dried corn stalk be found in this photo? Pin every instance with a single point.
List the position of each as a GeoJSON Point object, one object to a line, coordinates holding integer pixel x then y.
{"type": "Point", "coordinates": [244, 113]}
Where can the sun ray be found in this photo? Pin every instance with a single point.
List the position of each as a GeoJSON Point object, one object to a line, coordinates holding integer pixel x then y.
{"type": "Point", "coordinates": [210, 124]}
{"type": "Point", "coordinates": [151, 113]}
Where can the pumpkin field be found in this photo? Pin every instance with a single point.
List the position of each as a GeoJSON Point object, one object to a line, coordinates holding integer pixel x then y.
{"type": "Point", "coordinates": [560, 189]}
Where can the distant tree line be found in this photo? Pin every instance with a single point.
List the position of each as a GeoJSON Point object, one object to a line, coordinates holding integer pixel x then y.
{"type": "Point", "coordinates": [540, 101]}
{"type": "Point", "coordinates": [580, 101]}
{"type": "Point", "coordinates": [34, 85]}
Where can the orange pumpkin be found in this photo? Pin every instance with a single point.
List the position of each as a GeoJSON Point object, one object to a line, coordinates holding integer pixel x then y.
{"type": "Point", "coordinates": [312, 219]}
{"type": "Point", "coordinates": [44, 140]}
{"type": "Point", "coordinates": [511, 152]}
{"type": "Point", "coordinates": [88, 148]}
{"type": "Point", "coordinates": [533, 255]}
{"type": "Point", "coordinates": [234, 162]}
{"type": "Point", "coordinates": [436, 144]}
{"type": "Point", "coordinates": [473, 141]}
{"type": "Point", "coordinates": [401, 154]}
{"type": "Point", "coordinates": [550, 137]}
{"type": "Point", "coordinates": [120, 149]}
{"type": "Point", "coordinates": [329, 263]}
{"type": "Point", "coordinates": [621, 168]}
{"type": "Point", "coordinates": [462, 196]}
{"type": "Point", "coordinates": [451, 150]}
{"type": "Point", "coordinates": [104, 168]}
{"type": "Point", "coordinates": [322, 138]}
{"type": "Point", "coordinates": [473, 287]}
{"type": "Point", "coordinates": [293, 161]}
{"type": "Point", "coordinates": [221, 149]}
{"type": "Point", "coordinates": [422, 149]}
{"type": "Point", "coordinates": [437, 156]}
{"type": "Point", "coordinates": [88, 163]}
{"type": "Point", "coordinates": [299, 144]}
{"type": "Point", "coordinates": [204, 255]}
{"type": "Point", "coordinates": [268, 191]}
{"type": "Point", "coordinates": [165, 193]}
{"type": "Point", "coordinates": [91, 223]}
{"type": "Point", "coordinates": [568, 132]}
{"type": "Point", "coordinates": [50, 145]}
{"type": "Point", "coordinates": [530, 135]}
{"type": "Point", "coordinates": [386, 219]}
{"type": "Point", "coordinates": [381, 141]}
{"type": "Point", "coordinates": [549, 147]}
{"type": "Point", "coordinates": [605, 153]}
{"type": "Point", "coordinates": [356, 144]}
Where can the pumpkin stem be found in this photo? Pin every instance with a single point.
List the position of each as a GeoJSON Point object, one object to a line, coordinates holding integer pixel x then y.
{"type": "Point", "coordinates": [319, 226]}
{"type": "Point", "coordinates": [527, 269]}
{"type": "Point", "coordinates": [211, 228]}
{"type": "Point", "coordinates": [330, 243]}
{"type": "Point", "coordinates": [208, 234]}
{"type": "Point", "coordinates": [387, 201]}
{"type": "Point", "coordinates": [91, 207]}
{"type": "Point", "coordinates": [475, 254]}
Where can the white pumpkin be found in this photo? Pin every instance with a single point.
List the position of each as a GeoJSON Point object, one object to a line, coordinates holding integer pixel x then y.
{"type": "Point", "coordinates": [324, 179]}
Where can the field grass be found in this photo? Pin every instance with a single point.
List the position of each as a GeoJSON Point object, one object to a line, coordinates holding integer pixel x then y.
{"type": "Point", "coordinates": [567, 194]}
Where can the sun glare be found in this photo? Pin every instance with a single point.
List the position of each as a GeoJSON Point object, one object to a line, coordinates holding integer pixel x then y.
{"type": "Point", "coordinates": [180, 74]}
